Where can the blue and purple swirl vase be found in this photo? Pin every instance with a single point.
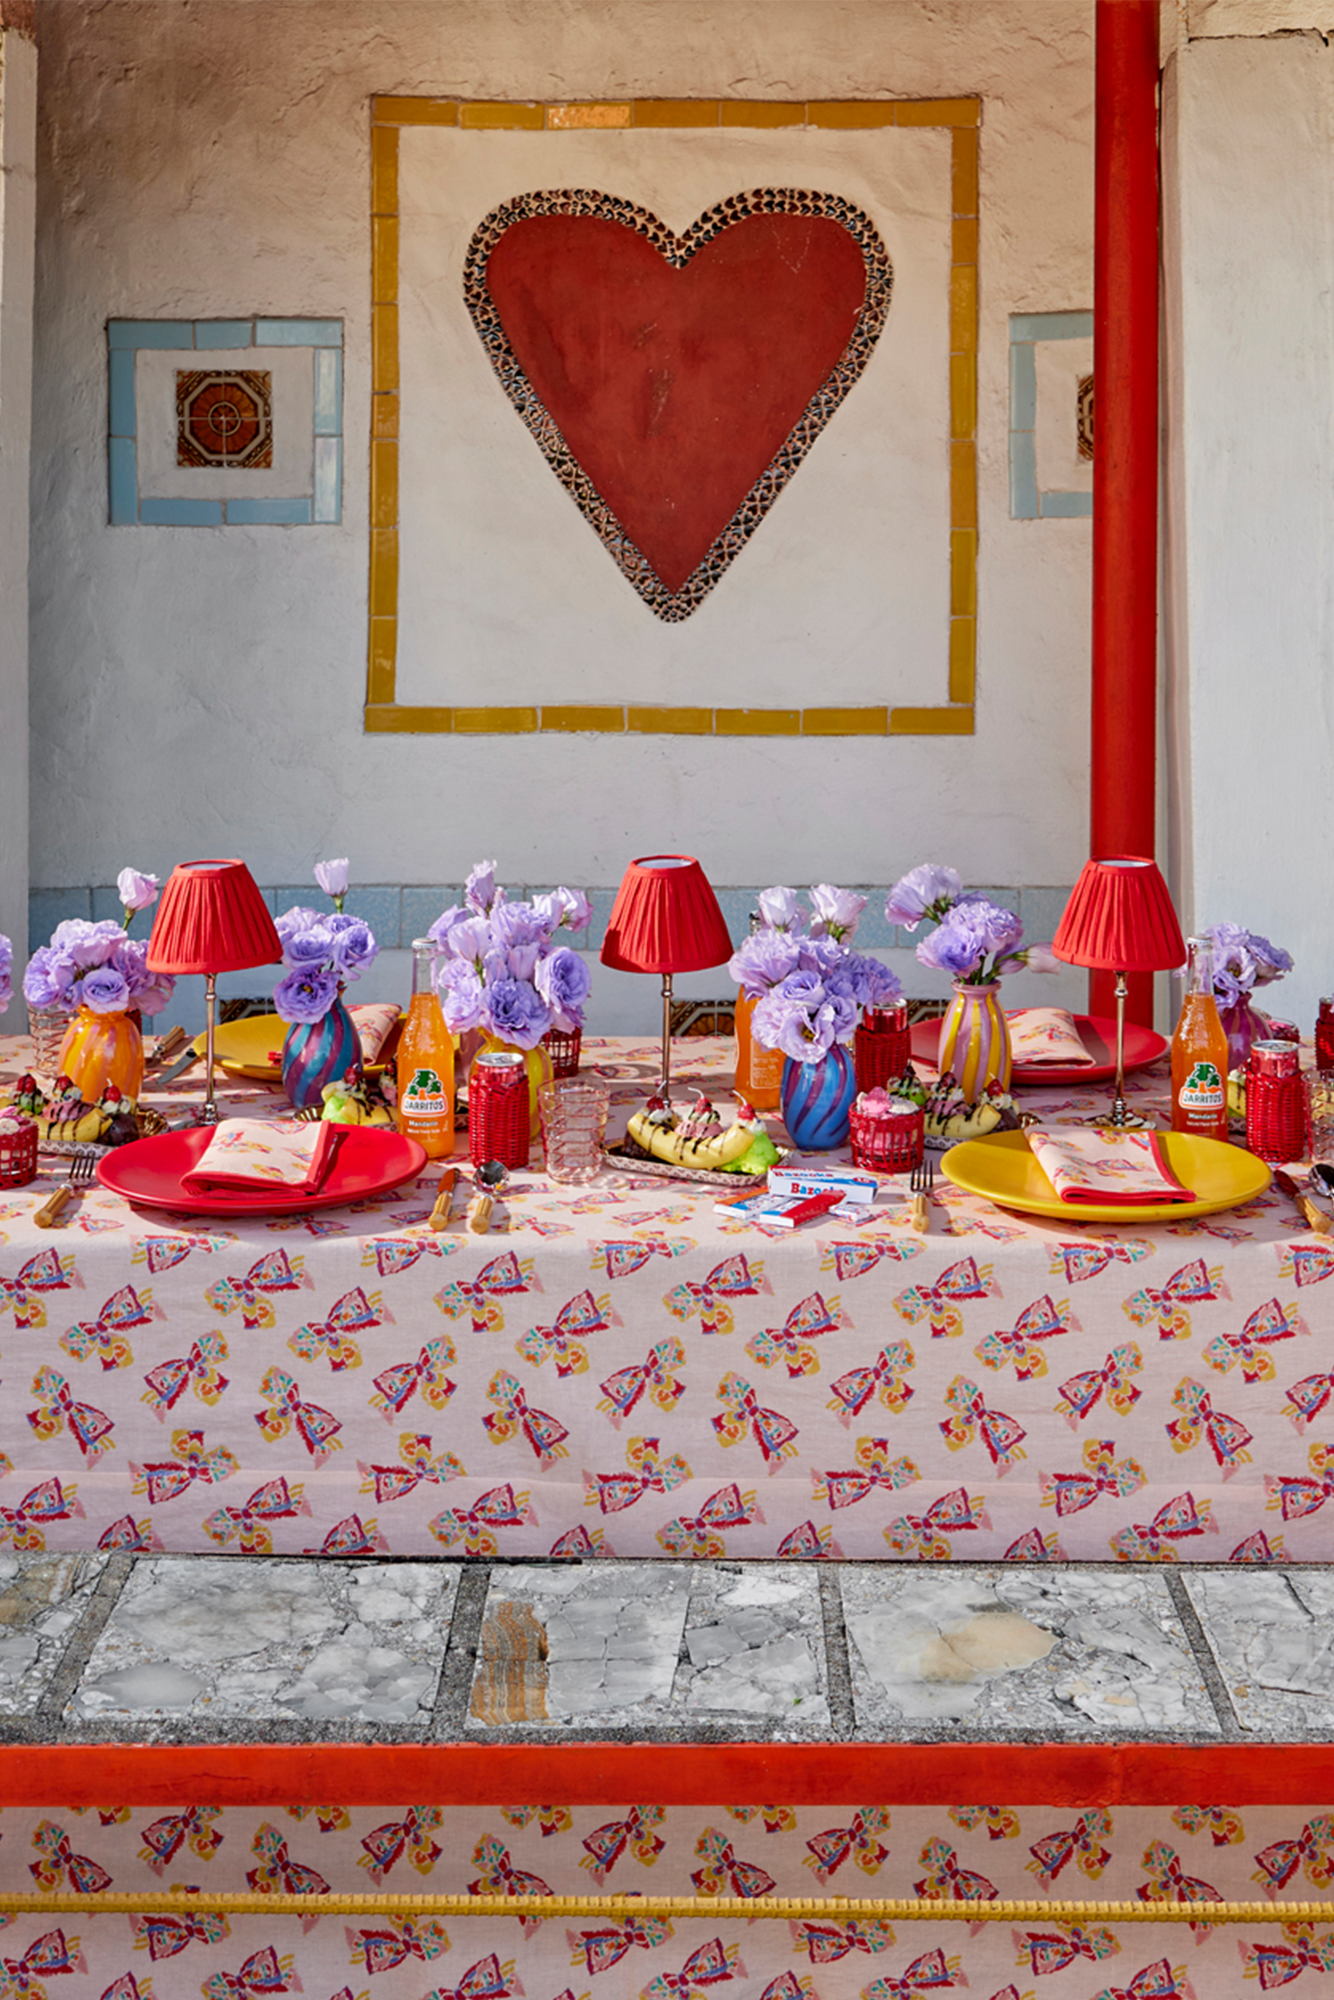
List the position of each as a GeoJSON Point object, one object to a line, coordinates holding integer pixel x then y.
{"type": "Point", "coordinates": [319, 1052]}
{"type": "Point", "coordinates": [817, 1099]}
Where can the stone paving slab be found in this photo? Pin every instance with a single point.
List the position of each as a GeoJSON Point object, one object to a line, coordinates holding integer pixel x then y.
{"type": "Point", "coordinates": [227, 1648]}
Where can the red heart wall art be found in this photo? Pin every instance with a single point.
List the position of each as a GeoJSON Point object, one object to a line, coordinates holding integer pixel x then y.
{"type": "Point", "coordinates": [675, 383]}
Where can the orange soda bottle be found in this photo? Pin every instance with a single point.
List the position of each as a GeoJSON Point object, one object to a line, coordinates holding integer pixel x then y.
{"type": "Point", "coordinates": [1199, 1051]}
{"type": "Point", "coordinates": [759, 1071]}
{"type": "Point", "coordinates": [426, 1063]}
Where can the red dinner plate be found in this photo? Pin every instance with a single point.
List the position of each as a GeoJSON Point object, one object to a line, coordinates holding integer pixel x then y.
{"type": "Point", "coordinates": [1096, 1031]}
{"type": "Point", "coordinates": [149, 1172]}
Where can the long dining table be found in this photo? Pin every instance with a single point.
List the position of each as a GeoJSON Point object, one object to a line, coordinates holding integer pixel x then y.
{"type": "Point", "coordinates": [623, 1369]}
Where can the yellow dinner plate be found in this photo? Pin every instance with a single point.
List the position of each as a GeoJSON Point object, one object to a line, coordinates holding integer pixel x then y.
{"type": "Point", "coordinates": [1003, 1168]}
{"type": "Point", "coordinates": [252, 1047]}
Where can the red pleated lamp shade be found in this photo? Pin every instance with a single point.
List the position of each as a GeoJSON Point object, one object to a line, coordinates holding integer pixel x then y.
{"type": "Point", "coordinates": [212, 918]}
{"type": "Point", "coordinates": [1120, 919]}
{"type": "Point", "coordinates": [665, 919]}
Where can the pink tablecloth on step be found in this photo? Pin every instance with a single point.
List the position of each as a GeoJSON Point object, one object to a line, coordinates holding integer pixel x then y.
{"type": "Point", "coordinates": [620, 1370]}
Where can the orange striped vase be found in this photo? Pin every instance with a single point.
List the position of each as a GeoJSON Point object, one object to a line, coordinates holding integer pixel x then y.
{"type": "Point", "coordinates": [975, 1039]}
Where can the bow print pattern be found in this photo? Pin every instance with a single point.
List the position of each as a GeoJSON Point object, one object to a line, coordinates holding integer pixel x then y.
{"type": "Point", "coordinates": [25, 1294]}
{"type": "Point", "coordinates": [1295, 1496]}
{"type": "Point", "coordinates": [1000, 1434]}
{"type": "Point", "coordinates": [724, 1872]}
{"type": "Point", "coordinates": [170, 1478]}
{"type": "Point", "coordinates": [277, 1873]}
{"type": "Point", "coordinates": [392, 1255]}
{"type": "Point", "coordinates": [597, 1951]}
{"type": "Point", "coordinates": [487, 1980]}
{"type": "Point", "coordinates": [1071, 1492]}
{"type": "Point", "coordinates": [1034, 1547]}
{"type": "Point", "coordinates": [1312, 1851]}
{"type": "Point", "coordinates": [1269, 1323]}
{"type": "Point", "coordinates": [1279, 1964]}
{"type": "Point", "coordinates": [248, 1524]}
{"type": "Point", "coordinates": [251, 1295]}
{"type": "Point", "coordinates": [875, 1468]}
{"type": "Point", "coordinates": [1078, 1262]}
{"type": "Point", "coordinates": [743, 1415]}
{"type": "Point", "coordinates": [1044, 1319]}
{"type": "Point", "coordinates": [105, 1335]}
{"type": "Point", "coordinates": [395, 1482]}
{"type": "Point", "coordinates": [1194, 1284]}
{"type": "Point", "coordinates": [514, 1413]}
{"type": "Point", "coordinates": [166, 1934]}
{"type": "Point", "coordinates": [649, 1472]}
{"type": "Point", "coordinates": [1307, 1398]}
{"type": "Point", "coordinates": [1169, 1883]}
{"type": "Point", "coordinates": [577, 1318]}
{"type": "Point", "coordinates": [806, 1322]}
{"type": "Point", "coordinates": [921, 1536]}
{"type": "Point", "coordinates": [698, 1534]}
{"type": "Point", "coordinates": [317, 1428]}
{"type": "Point", "coordinates": [1083, 1392]}
{"type": "Point", "coordinates": [22, 1526]}
{"type": "Point", "coordinates": [1051, 1951]}
{"type": "Point", "coordinates": [854, 1260]}
{"type": "Point", "coordinates": [1227, 1436]}
{"type": "Point", "coordinates": [633, 1835]}
{"type": "Point", "coordinates": [827, 1943]}
{"type": "Point", "coordinates": [397, 1386]}
{"type": "Point", "coordinates": [859, 1842]}
{"type": "Point", "coordinates": [946, 1880]}
{"type": "Point", "coordinates": [474, 1526]}
{"type": "Point", "coordinates": [482, 1297]}
{"type": "Point", "coordinates": [197, 1370]}
{"type": "Point", "coordinates": [57, 1863]}
{"type": "Point", "coordinates": [356, 1312]}
{"type": "Point", "coordinates": [1080, 1843]}
{"type": "Point", "coordinates": [886, 1377]}
{"type": "Point", "coordinates": [1177, 1520]}
{"type": "Point", "coordinates": [622, 1260]}
{"type": "Point", "coordinates": [776, 1819]}
{"type": "Point", "coordinates": [735, 1278]}
{"type": "Point", "coordinates": [192, 1828]}
{"type": "Point", "coordinates": [1304, 1264]}
{"type": "Point", "coordinates": [550, 1819]}
{"type": "Point", "coordinates": [382, 1950]}
{"type": "Point", "coordinates": [787, 1986]}
{"type": "Point", "coordinates": [999, 1821]}
{"type": "Point", "coordinates": [808, 1540]}
{"type": "Point", "coordinates": [90, 1428]}
{"type": "Point", "coordinates": [1224, 1827]}
{"type": "Point", "coordinates": [264, 1972]}
{"type": "Point", "coordinates": [164, 1253]}
{"type": "Point", "coordinates": [927, 1974]}
{"type": "Point", "coordinates": [709, 1966]}
{"type": "Point", "coordinates": [131, 1537]}
{"type": "Point", "coordinates": [1159, 1981]}
{"type": "Point", "coordinates": [939, 1303]}
{"type": "Point", "coordinates": [351, 1537]}
{"type": "Point", "coordinates": [50, 1954]}
{"type": "Point", "coordinates": [652, 1376]}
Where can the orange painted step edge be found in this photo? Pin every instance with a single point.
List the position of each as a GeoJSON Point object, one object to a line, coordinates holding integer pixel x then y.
{"type": "Point", "coordinates": [1054, 1774]}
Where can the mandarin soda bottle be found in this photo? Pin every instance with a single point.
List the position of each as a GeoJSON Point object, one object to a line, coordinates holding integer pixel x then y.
{"type": "Point", "coordinates": [426, 1063]}
{"type": "Point", "coordinates": [1199, 1051]}
{"type": "Point", "coordinates": [759, 1071]}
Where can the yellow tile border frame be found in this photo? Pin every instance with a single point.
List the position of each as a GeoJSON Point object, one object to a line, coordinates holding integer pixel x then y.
{"type": "Point", "coordinates": [383, 713]}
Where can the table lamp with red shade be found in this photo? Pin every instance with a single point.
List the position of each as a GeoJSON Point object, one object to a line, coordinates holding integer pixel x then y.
{"type": "Point", "coordinates": [211, 918]}
{"type": "Point", "coordinates": [665, 919]}
{"type": "Point", "coordinates": [1120, 919]}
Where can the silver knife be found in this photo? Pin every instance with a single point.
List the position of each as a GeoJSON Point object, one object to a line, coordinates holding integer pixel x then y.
{"type": "Point", "coordinates": [178, 1068]}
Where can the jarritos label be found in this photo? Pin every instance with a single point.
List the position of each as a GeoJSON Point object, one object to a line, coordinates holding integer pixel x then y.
{"type": "Point", "coordinates": [1202, 1092]}
{"type": "Point", "coordinates": [425, 1095]}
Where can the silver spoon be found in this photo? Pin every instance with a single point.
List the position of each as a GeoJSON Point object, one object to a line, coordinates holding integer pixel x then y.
{"type": "Point", "coordinates": [493, 1177]}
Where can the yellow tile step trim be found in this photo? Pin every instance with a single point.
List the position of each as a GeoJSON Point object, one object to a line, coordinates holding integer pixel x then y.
{"type": "Point", "coordinates": [384, 716]}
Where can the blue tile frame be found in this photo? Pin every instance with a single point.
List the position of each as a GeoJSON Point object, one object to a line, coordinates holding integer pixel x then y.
{"type": "Point", "coordinates": [323, 507]}
{"type": "Point", "coordinates": [1027, 501]}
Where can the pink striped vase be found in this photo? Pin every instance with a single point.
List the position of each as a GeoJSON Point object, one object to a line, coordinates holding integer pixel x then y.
{"type": "Point", "coordinates": [975, 1039]}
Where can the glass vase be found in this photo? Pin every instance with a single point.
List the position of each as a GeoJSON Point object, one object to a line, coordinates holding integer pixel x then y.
{"type": "Point", "coordinates": [48, 1027]}
{"type": "Point", "coordinates": [817, 1099]}
{"type": "Point", "coordinates": [319, 1052]}
{"type": "Point", "coordinates": [99, 1049]}
{"type": "Point", "coordinates": [975, 1039]}
{"type": "Point", "coordinates": [1242, 1024]}
{"type": "Point", "coordinates": [537, 1062]}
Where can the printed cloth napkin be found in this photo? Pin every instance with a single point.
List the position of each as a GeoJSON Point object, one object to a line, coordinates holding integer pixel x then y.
{"type": "Point", "coordinates": [1114, 1168]}
{"type": "Point", "coordinates": [249, 1156]}
{"type": "Point", "coordinates": [1046, 1035]}
{"type": "Point", "coordinates": [374, 1022]}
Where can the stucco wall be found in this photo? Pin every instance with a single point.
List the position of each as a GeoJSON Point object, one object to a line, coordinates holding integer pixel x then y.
{"type": "Point", "coordinates": [200, 691]}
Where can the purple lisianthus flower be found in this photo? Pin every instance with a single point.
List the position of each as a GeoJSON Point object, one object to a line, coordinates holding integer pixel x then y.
{"type": "Point", "coordinates": [837, 911]}
{"type": "Point", "coordinates": [564, 909]}
{"type": "Point", "coordinates": [136, 891]}
{"type": "Point", "coordinates": [1271, 960]}
{"type": "Point", "coordinates": [820, 954]}
{"type": "Point", "coordinates": [958, 944]}
{"type": "Point", "coordinates": [873, 984]}
{"type": "Point", "coordinates": [927, 891]}
{"type": "Point", "coordinates": [518, 923]}
{"type": "Point", "coordinates": [298, 918]}
{"type": "Point", "coordinates": [462, 998]}
{"type": "Point", "coordinates": [104, 989]}
{"type": "Point", "coordinates": [149, 991]}
{"type": "Point", "coordinates": [801, 1034]}
{"type": "Point", "coordinates": [332, 877]}
{"type": "Point", "coordinates": [307, 994]}
{"type": "Point", "coordinates": [1000, 928]}
{"type": "Point", "coordinates": [353, 945]}
{"type": "Point", "coordinates": [565, 982]}
{"type": "Point", "coordinates": [48, 978]}
{"type": "Point", "coordinates": [518, 1012]}
{"type": "Point", "coordinates": [6, 972]}
{"type": "Point", "coordinates": [480, 890]}
{"type": "Point", "coordinates": [306, 948]}
{"type": "Point", "coordinates": [521, 960]}
{"type": "Point", "coordinates": [461, 934]}
{"type": "Point", "coordinates": [85, 944]}
{"type": "Point", "coordinates": [762, 961]}
{"type": "Point", "coordinates": [779, 908]}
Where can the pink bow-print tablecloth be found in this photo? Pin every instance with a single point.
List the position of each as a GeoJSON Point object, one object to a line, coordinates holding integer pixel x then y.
{"type": "Point", "coordinates": [620, 1370]}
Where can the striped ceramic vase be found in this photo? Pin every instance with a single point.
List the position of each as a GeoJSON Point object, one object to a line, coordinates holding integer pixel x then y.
{"type": "Point", "coordinates": [319, 1052]}
{"type": "Point", "coordinates": [975, 1039]}
{"type": "Point", "coordinates": [817, 1099]}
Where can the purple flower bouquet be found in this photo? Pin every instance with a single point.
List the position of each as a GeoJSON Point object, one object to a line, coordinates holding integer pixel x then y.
{"type": "Point", "coordinates": [808, 983]}
{"type": "Point", "coordinates": [500, 966]}
{"type": "Point", "coordinates": [1243, 960]}
{"type": "Point", "coordinates": [321, 951]}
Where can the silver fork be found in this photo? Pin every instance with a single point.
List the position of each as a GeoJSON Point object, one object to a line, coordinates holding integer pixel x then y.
{"type": "Point", "coordinates": [80, 1176]}
{"type": "Point", "coordinates": [920, 1182]}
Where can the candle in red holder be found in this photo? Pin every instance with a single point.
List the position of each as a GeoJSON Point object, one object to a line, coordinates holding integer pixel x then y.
{"type": "Point", "coordinates": [1324, 1036]}
{"type": "Point", "coordinates": [882, 1046]}
{"type": "Point", "coordinates": [1275, 1102]}
{"type": "Point", "coordinates": [498, 1110]}
{"type": "Point", "coordinates": [888, 1133]}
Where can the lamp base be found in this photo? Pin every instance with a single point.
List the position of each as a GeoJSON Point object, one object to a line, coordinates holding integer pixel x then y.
{"type": "Point", "coordinates": [1120, 1118]}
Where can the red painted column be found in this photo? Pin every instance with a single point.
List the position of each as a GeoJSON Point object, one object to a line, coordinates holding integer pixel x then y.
{"type": "Point", "coordinates": [1125, 464]}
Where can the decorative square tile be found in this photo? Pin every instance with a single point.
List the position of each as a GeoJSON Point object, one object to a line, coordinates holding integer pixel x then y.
{"type": "Point", "coordinates": [224, 417]}
{"type": "Point", "coordinates": [1273, 1637]}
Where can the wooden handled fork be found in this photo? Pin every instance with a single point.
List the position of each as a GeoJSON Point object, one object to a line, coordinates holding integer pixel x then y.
{"type": "Point", "coordinates": [80, 1175]}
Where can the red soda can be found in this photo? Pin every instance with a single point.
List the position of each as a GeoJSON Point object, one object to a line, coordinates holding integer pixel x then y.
{"type": "Point", "coordinates": [498, 1109]}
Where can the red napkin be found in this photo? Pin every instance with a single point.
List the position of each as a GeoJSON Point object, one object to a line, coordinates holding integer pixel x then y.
{"type": "Point", "coordinates": [1113, 1169]}
{"type": "Point", "coordinates": [249, 1156]}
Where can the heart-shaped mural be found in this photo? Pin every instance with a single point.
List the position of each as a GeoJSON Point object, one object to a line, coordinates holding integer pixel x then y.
{"type": "Point", "coordinates": [675, 383]}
